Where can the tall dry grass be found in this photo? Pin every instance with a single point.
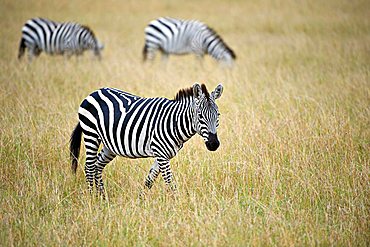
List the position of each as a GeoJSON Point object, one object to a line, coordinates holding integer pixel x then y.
{"type": "Point", "coordinates": [293, 166]}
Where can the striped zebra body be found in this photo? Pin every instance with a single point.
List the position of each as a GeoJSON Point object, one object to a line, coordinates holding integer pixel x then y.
{"type": "Point", "coordinates": [137, 127]}
{"type": "Point", "coordinates": [55, 38]}
{"type": "Point", "coordinates": [176, 36]}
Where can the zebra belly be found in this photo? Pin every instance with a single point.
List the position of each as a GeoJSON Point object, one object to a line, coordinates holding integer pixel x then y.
{"type": "Point", "coordinates": [126, 140]}
{"type": "Point", "coordinates": [178, 49]}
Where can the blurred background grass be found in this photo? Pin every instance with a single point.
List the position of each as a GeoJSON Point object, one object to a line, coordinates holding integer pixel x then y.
{"type": "Point", "coordinates": [293, 166]}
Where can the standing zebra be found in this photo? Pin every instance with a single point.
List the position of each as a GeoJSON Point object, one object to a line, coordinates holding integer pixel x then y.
{"type": "Point", "coordinates": [137, 127]}
{"type": "Point", "coordinates": [67, 38]}
{"type": "Point", "coordinates": [176, 36]}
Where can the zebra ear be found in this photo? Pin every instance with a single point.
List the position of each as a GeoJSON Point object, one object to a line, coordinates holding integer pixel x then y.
{"type": "Point", "coordinates": [197, 90]}
{"type": "Point", "coordinates": [217, 92]}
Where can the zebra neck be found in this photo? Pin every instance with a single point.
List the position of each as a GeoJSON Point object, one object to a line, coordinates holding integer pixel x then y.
{"type": "Point", "coordinates": [185, 120]}
{"type": "Point", "coordinates": [213, 44]}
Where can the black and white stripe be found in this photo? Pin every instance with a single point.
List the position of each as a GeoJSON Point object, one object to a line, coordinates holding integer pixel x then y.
{"type": "Point", "coordinates": [176, 36]}
{"type": "Point", "coordinates": [137, 127]}
{"type": "Point", "coordinates": [67, 38]}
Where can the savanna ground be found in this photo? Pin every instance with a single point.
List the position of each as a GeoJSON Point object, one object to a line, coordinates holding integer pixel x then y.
{"type": "Point", "coordinates": [293, 166]}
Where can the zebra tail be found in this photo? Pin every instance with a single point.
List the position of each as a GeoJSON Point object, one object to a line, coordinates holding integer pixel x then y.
{"type": "Point", "coordinates": [22, 48]}
{"type": "Point", "coordinates": [145, 53]}
{"type": "Point", "coordinates": [75, 145]}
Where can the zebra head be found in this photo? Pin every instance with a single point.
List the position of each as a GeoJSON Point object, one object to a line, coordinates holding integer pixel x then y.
{"type": "Point", "coordinates": [228, 57]}
{"type": "Point", "coordinates": [206, 114]}
{"type": "Point", "coordinates": [97, 48]}
{"type": "Point", "coordinates": [89, 42]}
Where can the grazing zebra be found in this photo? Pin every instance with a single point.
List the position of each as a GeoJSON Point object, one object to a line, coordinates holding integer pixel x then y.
{"type": "Point", "coordinates": [67, 38]}
{"type": "Point", "coordinates": [176, 36]}
{"type": "Point", "coordinates": [136, 127]}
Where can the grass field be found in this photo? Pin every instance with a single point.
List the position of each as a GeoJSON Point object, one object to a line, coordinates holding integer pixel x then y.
{"type": "Point", "coordinates": [293, 166]}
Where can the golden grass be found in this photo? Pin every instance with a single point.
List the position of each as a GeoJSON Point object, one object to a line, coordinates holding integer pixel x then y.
{"type": "Point", "coordinates": [293, 166]}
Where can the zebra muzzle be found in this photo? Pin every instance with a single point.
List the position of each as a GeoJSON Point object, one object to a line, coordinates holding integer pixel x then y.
{"type": "Point", "coordinates": [212, 143]}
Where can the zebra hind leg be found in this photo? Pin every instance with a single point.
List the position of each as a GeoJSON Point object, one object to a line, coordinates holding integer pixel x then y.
{"type": "Point", "coordinates": [22, 48]}
{"type": "Point", "coordinates": [33, 52]}
{"type": "Point", "coordinates": [149, 181]}
{"type": "Point", "coordinates": [104, 157]}
{"type": "Point", "coordinates": [153, 174]}
{"type": "Point", "coordinates": [149, 52]}
{"type": "Point", "coordinates": [92, 146]}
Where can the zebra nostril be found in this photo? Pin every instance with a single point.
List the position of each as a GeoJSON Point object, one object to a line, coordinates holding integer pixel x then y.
{"type": "Point", "coordinates": [212, 145]}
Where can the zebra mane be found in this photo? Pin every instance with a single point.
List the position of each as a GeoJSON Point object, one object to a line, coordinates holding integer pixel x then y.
{"type": "Point", "coordinates": [184, 93]}
{"type": "Point", "coordinates": [87, 28]}
{"type": "Point", "coordinates": [188, 92]}
{"type": "Point", "coordinates": [228, 49]}
{"type": "Point", "coordinates": [205, 90]}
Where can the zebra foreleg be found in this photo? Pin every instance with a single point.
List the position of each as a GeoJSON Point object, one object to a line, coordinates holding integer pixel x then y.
{"type": "Point", "coordinates": [67, 54]}
{"type": "Point", "coordinates": [200, 59]}
{"type": "Point", "coordinates": [104, 157]}
{"type": "Point", "coordinates": [165, 169]}
{"type": "Point", "coordinates": [164, 57]}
